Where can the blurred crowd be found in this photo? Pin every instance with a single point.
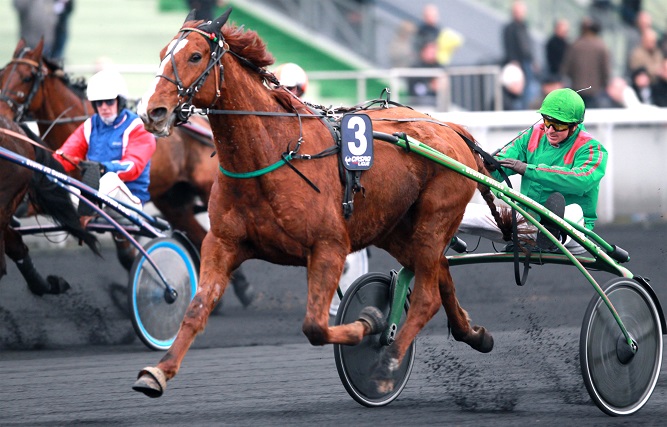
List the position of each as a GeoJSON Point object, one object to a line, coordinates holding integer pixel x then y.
{"type": "Point", "coordinates": [576, 55]}
{"type": "Point", "coordinates": [48, 19]}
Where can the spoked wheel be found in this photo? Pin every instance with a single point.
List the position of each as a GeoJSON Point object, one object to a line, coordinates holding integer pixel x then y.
{"type": "Point", "coordinates": [355, 363]}
{"type": "Point", "coordinates": [155, 317]}
{"type": "Point", "coordinates": [618, 381]}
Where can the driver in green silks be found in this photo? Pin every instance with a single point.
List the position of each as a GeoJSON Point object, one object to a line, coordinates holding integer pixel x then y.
{"type": "Point", "coordinates": [556, 157]}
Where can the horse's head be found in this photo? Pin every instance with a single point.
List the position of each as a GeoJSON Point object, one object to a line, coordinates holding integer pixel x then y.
{"type": "Point", "coordinates": [181, 80]}
{"type": "Point", "coordinates": [194, 71]}
{"type": "Point", "coordinates": [20, 80]}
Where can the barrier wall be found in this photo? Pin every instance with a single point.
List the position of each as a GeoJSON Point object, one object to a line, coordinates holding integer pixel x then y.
{"type": "Point", "coordinates": [635, 185]}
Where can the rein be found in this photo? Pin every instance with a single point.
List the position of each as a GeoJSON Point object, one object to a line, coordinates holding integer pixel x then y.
{"type": "Point", "coordinates": [185, 109]}
{"type": "Point", "coordinates": [36, 144]}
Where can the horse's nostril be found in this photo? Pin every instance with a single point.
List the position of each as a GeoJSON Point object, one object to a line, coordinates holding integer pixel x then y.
{"type": "Point", "coordinates": [158, 114]}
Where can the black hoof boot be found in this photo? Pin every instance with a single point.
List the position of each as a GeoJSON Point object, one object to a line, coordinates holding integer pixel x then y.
{"type": "Point", "coordinates": [125, 252]}
{"type": "Point", "coordinates": [35, 281]}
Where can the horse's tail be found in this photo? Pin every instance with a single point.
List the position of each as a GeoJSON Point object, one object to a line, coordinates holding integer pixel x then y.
{"type": "Point", "coordinates": [55, 202]}
{"type": "Point", "coordinates": [503, 217]}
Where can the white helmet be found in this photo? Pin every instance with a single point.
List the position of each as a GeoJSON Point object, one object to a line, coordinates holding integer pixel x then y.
{"type": "Point", "coordinates": [106, 84]}
{"type": "Point", "coordinates": [291, 76]}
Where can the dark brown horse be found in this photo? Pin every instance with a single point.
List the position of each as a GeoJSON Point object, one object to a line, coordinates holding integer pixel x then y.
{"type": "Point", "coordinates": [411, 206]}
{"type": "Point", "coordinates": [54, 201]}
{"type": "Point", "coordinates": [182, 167]}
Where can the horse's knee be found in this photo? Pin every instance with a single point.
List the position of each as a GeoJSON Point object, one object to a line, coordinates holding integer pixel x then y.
{"type": "Point", "coordinates": [315, 334]}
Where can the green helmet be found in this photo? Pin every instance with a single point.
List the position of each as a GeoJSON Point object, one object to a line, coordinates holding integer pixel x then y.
{"type": "Point", "coordinates": [564, 105]}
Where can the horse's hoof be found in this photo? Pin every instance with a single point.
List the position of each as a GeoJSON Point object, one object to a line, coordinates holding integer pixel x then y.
{"type": "Point", "coordinates": [485, 342]}
{"type": "Point", "coordinates": [58, 285]}
{"type": "Point", "coordinates": [246, 295]}
{"type": "Point", "coordinates": [151, 382]}
{"type": "Point", "coordinates": [374, 318]}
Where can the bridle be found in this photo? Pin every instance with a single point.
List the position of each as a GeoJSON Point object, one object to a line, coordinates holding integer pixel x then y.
{"type": "Point", "coordinates": [39, 73]}
{"type": "Point", "coordinates": [38, 76]}
{"type": "Point", "coordinates": [185, 94]}
{"type": "Point", "coordinates": [184, 109]}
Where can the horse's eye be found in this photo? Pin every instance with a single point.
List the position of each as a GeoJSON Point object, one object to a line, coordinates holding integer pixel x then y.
{"type": "Point", "coordinates": [196, 57]}
{"type": "Point", "coordinates": [28, 79]}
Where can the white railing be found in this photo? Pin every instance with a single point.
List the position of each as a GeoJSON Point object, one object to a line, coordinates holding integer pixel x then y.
{"type": "Point", "coordinates": [461, 88]}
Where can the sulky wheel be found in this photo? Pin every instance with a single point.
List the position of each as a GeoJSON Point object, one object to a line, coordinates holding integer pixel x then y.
{"type": "Point", "coordinates": [156, 319]}
{"type": "Point", "coordinates": [355, 363]}
{"type": "Point", "coordinates": [619, 381]}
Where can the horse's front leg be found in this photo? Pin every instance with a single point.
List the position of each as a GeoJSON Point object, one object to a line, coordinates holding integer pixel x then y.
{"type": "Point", "coordinates": [215, 271]}
{"type": "Point", "coordinates": [325, 267]}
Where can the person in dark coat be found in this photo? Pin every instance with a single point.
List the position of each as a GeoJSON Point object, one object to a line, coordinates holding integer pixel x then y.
{"type": "Point", "coordinates": [557, 46]}
{"type": "Point", "coordinates": [518, 47]}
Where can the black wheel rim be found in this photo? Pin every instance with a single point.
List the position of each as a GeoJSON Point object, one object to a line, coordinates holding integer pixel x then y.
{"type": "Point", "coordinates": [356, 363]}
{"type": "Point", "coordinates": [618, 386]}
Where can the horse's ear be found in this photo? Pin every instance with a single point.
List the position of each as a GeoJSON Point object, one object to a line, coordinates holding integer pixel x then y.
{"type": "Point", "coordinates": [19, 47]}
{"type": "Point", "coordinates": [191, 16]}
{"type": "Point", "coordinates": [216, 24]}
{"type": "Point", "coordinates": [39, 48]}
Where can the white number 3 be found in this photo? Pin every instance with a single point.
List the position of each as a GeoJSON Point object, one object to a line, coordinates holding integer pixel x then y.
{"type": "Point", "coordinates": [360, 126]}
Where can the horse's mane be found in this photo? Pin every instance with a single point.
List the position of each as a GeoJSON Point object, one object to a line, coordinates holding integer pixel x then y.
{"type": "Point", "coordinates": [78, 85]}
{"type": "Point", "coordinates": [246, 43]}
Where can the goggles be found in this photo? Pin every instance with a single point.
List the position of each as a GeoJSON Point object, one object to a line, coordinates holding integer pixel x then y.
{"type": "Point", "coordinates": [107, 102]}
{"type": "Point", "coordinates": [555, 124]}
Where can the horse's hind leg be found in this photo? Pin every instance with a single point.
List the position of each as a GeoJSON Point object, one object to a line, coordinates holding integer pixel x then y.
{"type": "Point", "coordinates": [125, 252]}
{"type": "Point", "coordinates": [424, 304]}
{"type": "Point", "coordinates": [475, 336]}
{"type": "Point", "coordinates": [214, 276]}
{"type": "Point", "coordinates": [17, 251]}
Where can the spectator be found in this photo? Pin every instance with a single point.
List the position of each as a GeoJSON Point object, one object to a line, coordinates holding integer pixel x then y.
{"type": "Point", "coordinates": [37, 20]}
{"type": "Point", "coordinates": [647, 55]}
{"type": "Point", "coordinates": [629, 10]}
{"type": "Point", "coordinates": [548, 84]}
{"type": "Point", "coordinates": [513, 83]}
{"type": "Point", "coordinates": [63, 10]}
{"type": "Point", "coordinates": [633, 36]}
{"type": "Point", "coordinates": [429, 29]}
{"type": "Point", "coordinates": [557, 46]}
{"type": "Point", "coordinates": [641, 84]}
{"type": "Point", "coordinates": [587, 63]}
{"type": "Point", "coordinates": [402, 51]}
{"type": "Point", "coordinates": [424, 90]}
{"type": "Point", "coordinates": [660, 87]}
{"type": "Point", "coordinates": [518, 48]}
{"type": "Point", "coordinates": [619, 95]}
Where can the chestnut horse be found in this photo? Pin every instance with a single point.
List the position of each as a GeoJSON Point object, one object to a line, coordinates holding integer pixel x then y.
{"type": "Point", "coordinates": [182, 167]}
{"type": "Point", "coordinates": [54, 201]}
{"type": "Point", "coordinates": [411, 206]}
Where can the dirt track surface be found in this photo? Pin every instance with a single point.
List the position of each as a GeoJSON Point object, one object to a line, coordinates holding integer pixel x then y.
{"type": "Point", "coordinates": [73, 358]}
